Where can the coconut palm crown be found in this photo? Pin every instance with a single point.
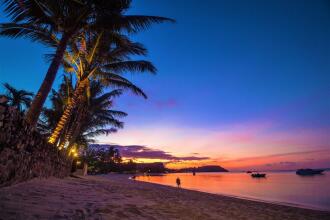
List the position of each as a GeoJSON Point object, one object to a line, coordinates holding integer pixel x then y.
{"type": "Point", "coordinates": [42, 20]}
{"type": "Point", "coordinates": [102, 57]}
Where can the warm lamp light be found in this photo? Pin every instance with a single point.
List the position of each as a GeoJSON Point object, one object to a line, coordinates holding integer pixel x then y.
{"type": "Point", "coordinates": [51, 140]}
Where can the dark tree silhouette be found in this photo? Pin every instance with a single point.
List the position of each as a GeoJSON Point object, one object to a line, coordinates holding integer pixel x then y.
{"type": "Point", "coordinates": [20, 99]}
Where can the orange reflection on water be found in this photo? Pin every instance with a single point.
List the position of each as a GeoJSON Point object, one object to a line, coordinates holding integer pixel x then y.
{"type": "Point", "coordinates": [283, 187]}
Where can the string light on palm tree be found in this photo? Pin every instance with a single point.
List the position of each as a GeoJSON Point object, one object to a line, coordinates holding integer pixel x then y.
{"type": "Point", "coordinates": [92, 117]}
{"type": "Point", "coordinates": [105, 58]}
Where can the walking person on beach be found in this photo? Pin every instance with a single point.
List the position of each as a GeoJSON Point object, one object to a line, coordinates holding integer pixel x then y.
{"type": "Point", "coordinates": [178, 182]}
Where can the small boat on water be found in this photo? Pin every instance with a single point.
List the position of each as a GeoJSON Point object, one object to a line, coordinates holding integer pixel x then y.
{"type": "Point", "coordinates": [248, 171]}
{"type": "Point", "coordinates": [258, 175]}
{"type": "Point", "coordinates": [309, 172]}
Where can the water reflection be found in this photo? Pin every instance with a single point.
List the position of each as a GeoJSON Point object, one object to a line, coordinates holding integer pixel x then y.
{"type": "Point", "coordinates": [284, 187]}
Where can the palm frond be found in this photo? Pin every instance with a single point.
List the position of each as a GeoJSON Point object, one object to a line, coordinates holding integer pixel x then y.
{"type": "Point", "coordinates": [100, 132]}
{"type": "Point", "coordinates": [137, 23]}
{"type": "Point", "coordinates": [131, 66]}
{"type": "Point", "coordinates": [116, 81]}
{"type": "Point", "coordinates": [18, 98]}
{"type": "Point", "coordinates": [29, 31]}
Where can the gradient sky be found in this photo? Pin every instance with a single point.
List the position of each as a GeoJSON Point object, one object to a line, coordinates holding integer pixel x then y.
{"type": "Point", "coordinates": [245, 84]}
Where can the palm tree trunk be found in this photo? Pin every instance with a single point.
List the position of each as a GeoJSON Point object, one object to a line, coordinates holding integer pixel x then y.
{"type": "Point", "coordinates": [67, 113]}
{"type": "Point", "coordinates": [66, 139]}
{"type": "Point", "coordinates": [76, 128]}
{"type": "Point", "coordinates": [73, 129]}
{"type": "Point", "coordinates": [35, 109]}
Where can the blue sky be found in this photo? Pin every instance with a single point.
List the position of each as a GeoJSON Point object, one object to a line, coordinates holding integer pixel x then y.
{"type": "Point", "coordinates": [231, 60]}
{"type": "Point", "coordinates": [223, 64]}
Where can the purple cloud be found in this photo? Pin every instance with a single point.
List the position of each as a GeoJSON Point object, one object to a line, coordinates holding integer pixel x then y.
{"type": "Point", "coordinates": [138, 151]}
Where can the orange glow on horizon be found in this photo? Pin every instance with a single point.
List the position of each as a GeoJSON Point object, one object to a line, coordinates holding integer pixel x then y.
{"type": "Point", "coordinates": [233, 141]}
{"type": "Point", "coordinates": [284, 161]}
{"type": "Point", "coordinates": [248, 145]}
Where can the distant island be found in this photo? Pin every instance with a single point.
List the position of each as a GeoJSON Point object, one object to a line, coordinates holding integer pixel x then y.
{"type": "Point", "coordinates": [159, 167]}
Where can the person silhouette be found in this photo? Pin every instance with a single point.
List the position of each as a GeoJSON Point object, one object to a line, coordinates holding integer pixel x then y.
{"type": "Point", "coordinates": [178, 182]}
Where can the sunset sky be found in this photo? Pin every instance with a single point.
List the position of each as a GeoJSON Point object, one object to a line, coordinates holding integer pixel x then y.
{"type": "Point", "coordinates": [242, 84]}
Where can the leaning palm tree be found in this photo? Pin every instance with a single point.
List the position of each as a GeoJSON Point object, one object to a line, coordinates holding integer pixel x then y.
{"type": "Point", "coordinates": [102, 57]}
{"type": "Point", "coordinates": [18, 98]}
{"type": "Point", "coordinates": [95, 111]}
{"type": "Point", "coordinates": [94, 115]}
{"type": "Point", "coordinates": [58, 99]}
{"type": "Point", "coordinates": [41, 20]}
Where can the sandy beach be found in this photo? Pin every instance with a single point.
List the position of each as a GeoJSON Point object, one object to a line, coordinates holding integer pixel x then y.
{"type": "Point", "coordinates": [116, 197]}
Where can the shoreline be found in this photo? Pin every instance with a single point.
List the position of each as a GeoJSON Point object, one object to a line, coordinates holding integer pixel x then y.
{"type": "Point", "coordinates": [294, 205]}
{"type": "Point", "coordinates": [114, 196]}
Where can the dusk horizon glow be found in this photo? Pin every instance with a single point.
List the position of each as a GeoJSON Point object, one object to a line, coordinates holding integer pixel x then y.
{"type": "Point", "coordinates": [240, 84]}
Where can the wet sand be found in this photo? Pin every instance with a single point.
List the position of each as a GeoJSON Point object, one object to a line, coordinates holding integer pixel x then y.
{"type": "Point", "coordinates": [116, 197]}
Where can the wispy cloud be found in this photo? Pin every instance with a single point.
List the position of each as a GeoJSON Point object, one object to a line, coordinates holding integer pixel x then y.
{"type": "Point", "coordinates": [164, 104]}
{"type": "Point", "coordinates": [292, 160]}
{"type": "Point", "coordinates": [282, 163]}
{"type": "Point", "coordinates": [279, 155]}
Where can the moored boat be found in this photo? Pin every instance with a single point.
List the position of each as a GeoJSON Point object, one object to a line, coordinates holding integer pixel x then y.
{"type": "Point", "coordinates": [309, 172]}
{"type": "Point", "coordinates": [258, 175]}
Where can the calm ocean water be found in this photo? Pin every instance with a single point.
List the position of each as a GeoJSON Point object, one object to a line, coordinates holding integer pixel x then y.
{"type": "Point", "coordinates": [279, 187]}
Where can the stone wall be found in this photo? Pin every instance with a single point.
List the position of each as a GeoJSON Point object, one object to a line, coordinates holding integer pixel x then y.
{"type": "Point", "coordinates": [24, 153]}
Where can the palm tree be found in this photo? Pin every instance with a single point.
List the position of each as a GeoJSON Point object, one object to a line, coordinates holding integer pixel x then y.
{"type": "Point", "coordinates": [101, 57]}
{"type": "Point", "coordinates": [91, 118]}
{"type": "Point", "coordinates": [97, 116]}
{"type": "Point", "coordinates": [18, 98]}
{"type": "Point", "coordinates": [42, 20]}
